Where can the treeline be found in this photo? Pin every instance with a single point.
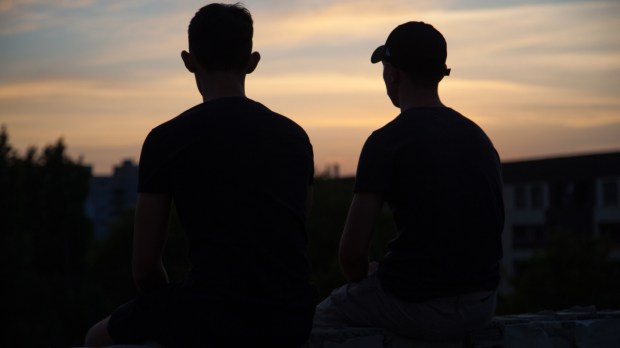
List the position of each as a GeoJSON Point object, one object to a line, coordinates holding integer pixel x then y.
{"type": "Point", "coordinates": [58, 280]}
{"type": "Point", "coordinates": [45, 242]}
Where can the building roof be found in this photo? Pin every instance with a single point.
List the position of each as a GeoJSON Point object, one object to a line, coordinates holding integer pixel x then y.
{"type": "Point", "coordinates": [563, 168]}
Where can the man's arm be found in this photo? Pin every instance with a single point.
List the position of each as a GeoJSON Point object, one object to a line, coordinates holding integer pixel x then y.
{"type": "Point", "coordinates": [149, 239]}
{"type": "Point", "coordinates": [355, 240]}
{"type": "Point", "coordinates": [309, 200]}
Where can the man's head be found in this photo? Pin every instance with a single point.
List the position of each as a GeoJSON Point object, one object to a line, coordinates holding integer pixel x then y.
{"type": "Point", "coordinates": [220, 37]}
{"type": "Point", "coordinates": [418, 49]}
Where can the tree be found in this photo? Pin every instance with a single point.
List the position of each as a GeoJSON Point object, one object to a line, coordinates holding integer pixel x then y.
{"type": "Point", "coordinates": [110, 261]}
{"type": "Point", "coordinates": [330, 206]}
{"type": "Point", "coordinates": [45, 237]}
{"type": "Point", "coordinates": [573, 270]}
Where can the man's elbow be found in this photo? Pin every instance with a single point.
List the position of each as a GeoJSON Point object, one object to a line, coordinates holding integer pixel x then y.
{"type": "Point", "coordinates": [141, 278]}
{"type": "Point", "coordinates": [149, 276]}
{"type": "Point", "coordinates": [354, 267]}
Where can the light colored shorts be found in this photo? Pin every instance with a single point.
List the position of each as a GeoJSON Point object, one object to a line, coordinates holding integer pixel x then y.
{"type": "Point", "coordinates": [366, 304]}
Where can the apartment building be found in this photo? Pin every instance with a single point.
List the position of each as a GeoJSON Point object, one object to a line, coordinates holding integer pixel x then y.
{"type": "Point", "coordinates": [110, 196]}
{"type": "Point", "coordinates": [576, 194]}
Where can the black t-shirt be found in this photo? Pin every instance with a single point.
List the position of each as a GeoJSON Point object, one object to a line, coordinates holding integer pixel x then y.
{"type": "Point", "coordinates": [441, 176]}
{"type": "Point", "coordinates": [238, 174]}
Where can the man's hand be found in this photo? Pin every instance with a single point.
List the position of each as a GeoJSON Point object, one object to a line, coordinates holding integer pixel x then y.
{"type": "Point", "coordinates": [373, 267]}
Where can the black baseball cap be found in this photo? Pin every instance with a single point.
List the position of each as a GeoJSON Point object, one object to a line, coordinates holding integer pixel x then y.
{"type": "Point", "coordinates": [415, 47]}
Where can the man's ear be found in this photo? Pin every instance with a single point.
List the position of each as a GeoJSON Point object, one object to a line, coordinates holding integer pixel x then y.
{"type": "Point", "coordinates": [189, 62]}
{"type": "Point", "coordinates": [392, 77]}
{"type": "Point", "coordinates": [252, 62]}
{"type": "Point", "coordinates": [390, 73]}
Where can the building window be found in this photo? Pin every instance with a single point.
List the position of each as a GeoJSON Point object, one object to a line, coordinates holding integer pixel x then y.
{"type": "Point", "coordinates": [521, 267]}
{"type": "Point", "coordinates": [520, 199]}
{"type": "Point", "coordinates": [528, 237]}
{"type": "Point", "coordinates": [610, 193]}
{"type": "Point", "coordinates": [536, 196]}
{"type": "Point", "coordinates": [529, 196]}
{"type": "Point", "coordinates": [611, 231]}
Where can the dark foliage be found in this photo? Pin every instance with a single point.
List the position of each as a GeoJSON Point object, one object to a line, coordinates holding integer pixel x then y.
{"type": "Point", "coordinates": [111, 261]}
{"type": "Point", "coordinates": [574, 270]}
{"type": "Point", "coordinates": [331, 200]}
{"type": "Point", "coordinates": [45, 236]}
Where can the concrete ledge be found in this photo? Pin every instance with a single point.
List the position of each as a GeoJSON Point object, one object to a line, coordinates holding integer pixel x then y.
{"type": "Point", "coordinates": [373, 338]}
{"type": "Point", "coordinates": [146, 345]}
{"type": "Point", "coordinates": [579, 327]}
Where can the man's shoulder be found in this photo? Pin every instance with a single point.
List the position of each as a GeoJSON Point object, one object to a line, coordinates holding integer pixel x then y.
{"type": "Point", "coordinates": [428, 119]}
{"type": "Point", "coordinates": [390, 130]}
{"type": "Point", "coordinates": [223, 115]}
{"type": "Point", "coordinates": [179, 119]}
{"type": "Point", "coordinates": [426, 114]}
{"type": "Point", "coordinates": [211, 112]}
{"type": "Point", "coordinates": [419, 124]}
{"type": "Point", "coordinates": [282, 121]}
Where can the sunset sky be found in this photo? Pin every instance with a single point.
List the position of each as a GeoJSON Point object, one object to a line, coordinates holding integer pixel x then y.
{"type": "Point", "coordinates": [541, 77]}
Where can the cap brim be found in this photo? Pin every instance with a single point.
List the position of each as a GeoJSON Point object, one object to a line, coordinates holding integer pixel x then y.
{"type": "Point", "coordinates": [378, 54]}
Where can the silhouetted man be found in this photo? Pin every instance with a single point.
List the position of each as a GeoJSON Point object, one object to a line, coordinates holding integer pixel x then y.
{"type": "Point", "coordinates": [440, 175]}
{"type": "Point", "coordinates": [238, 175]}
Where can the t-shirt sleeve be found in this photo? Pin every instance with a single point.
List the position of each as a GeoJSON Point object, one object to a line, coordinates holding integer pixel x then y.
{"type": "Point", "coordinates": [153, 172]}
{"type": "Point", "coordinates": [375, 166]}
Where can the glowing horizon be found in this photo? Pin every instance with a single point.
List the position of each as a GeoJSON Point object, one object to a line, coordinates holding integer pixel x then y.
{"type": "Point", "coordinates": [541, 79]}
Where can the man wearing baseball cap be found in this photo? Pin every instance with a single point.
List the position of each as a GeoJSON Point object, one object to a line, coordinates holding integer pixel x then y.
{"type": "Point", "coordinates": [441, 177]}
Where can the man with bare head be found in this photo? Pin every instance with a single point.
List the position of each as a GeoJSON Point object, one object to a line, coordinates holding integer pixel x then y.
{"type": "Point", "coordinates": [238, 175]}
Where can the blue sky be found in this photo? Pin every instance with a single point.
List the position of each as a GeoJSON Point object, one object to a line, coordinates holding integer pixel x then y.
{"type": "Point", "coordinates": [542, 78]}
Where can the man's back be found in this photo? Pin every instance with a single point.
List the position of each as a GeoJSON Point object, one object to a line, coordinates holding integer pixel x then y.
{"type": "Point", "coordinates": [445, 188]}
{"type": "Point", "coordinates": [238, 174]}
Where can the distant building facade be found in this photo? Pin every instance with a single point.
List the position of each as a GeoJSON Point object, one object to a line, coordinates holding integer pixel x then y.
{"type": "Point", "coordinates": [110, 196]}
{"type": "Point", "coordinates": [578, 194]}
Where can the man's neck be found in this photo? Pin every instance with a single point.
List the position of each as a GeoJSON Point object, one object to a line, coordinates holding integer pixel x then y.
{"type": "Point", "coordinates": [412, 96]}
{"type": "Point", "coordinates": [215, 85]}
